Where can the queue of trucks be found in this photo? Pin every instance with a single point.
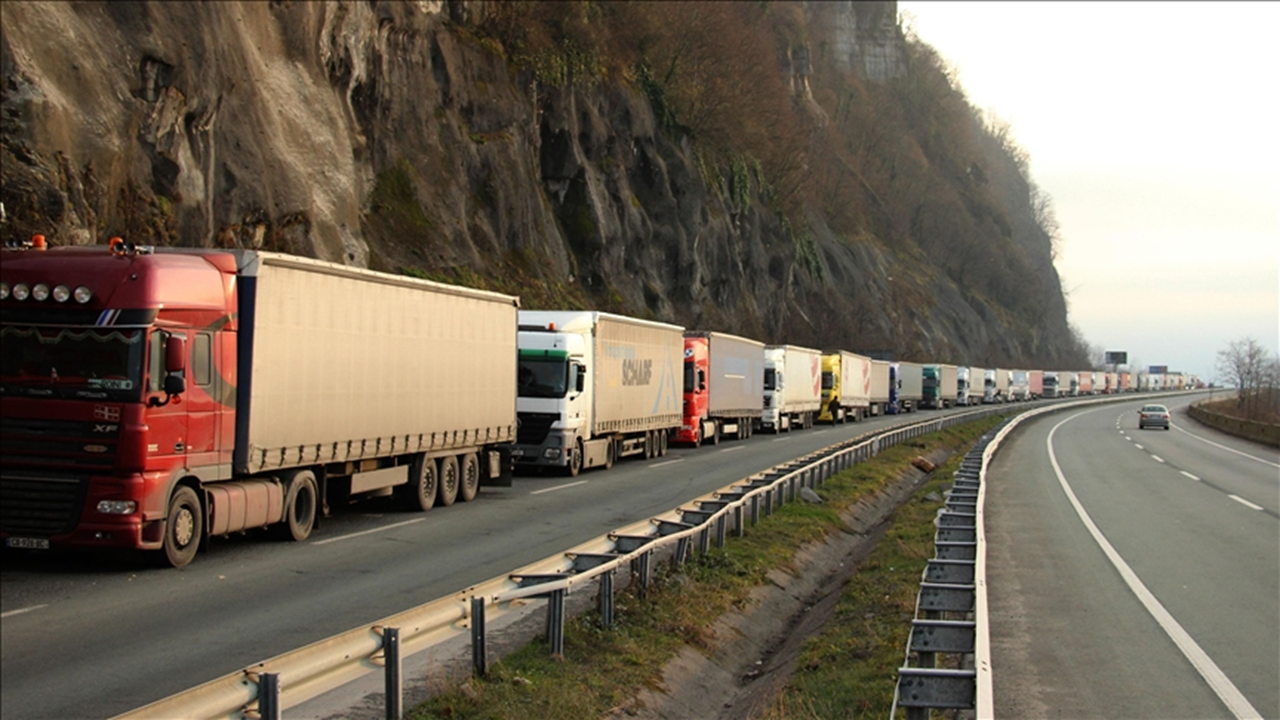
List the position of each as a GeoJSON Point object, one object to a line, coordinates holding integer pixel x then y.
{"type": "Point", "coordinates": [157, 398]}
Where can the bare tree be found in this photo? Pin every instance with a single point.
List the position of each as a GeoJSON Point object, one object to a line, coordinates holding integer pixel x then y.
{"type": "Point", "coordinates": [1248, 366]}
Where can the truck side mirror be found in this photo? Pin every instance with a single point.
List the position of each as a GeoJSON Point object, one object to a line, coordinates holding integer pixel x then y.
{"type": "Point", "coordinates": [580, 383]}
{"type": "Point", "coordinates": [175, 354]}
{"type": "Point", "coordinates": [175, 384]}
{"type": "Point", "coordinates": [702, 380]}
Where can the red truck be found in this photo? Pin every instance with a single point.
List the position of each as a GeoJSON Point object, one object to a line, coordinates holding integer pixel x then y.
{"type": "Point", "coordinates": [723, 387]}
{"type": "Point", "coordinates": [154, 398]}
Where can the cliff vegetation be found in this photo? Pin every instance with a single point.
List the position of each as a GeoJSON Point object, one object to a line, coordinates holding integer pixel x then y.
{"type": "Point", "coordinates": [798, 172]}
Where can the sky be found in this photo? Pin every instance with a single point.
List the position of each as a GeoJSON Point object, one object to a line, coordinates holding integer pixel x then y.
{"type": "Point", "coordinates": [1153, 126]}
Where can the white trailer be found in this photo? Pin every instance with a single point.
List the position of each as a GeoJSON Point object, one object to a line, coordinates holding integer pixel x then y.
{"type": "Point", "coordinates": [908, 377]}
{"type": "Point", "coordinates": [1019, 385]}
{"type": "Point", "coordinates": [595, 387]}
{"type": "Point", "coordinates": [879, 387]}
{"type": "Point", "coordinates": [792, 387]}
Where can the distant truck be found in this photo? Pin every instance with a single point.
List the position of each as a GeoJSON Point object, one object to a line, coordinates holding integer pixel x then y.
{"type": "Point", "coordinates": [1124, 381]}
{"type": "Point", "coordinates": [154, 398]}
{"type": "Point", "coordinates": [594, 388]}
{"type": "Point", "coordinates": [846, 387]}
{"type": "Point", "coordinates": [939, 383]}
{"type": "Point", "coordinates": [1035, 384]}
{"type": "Point", "coordinates": [963, 385]}
{"type": "Point", "coordinates": [906, 386]}
{"type": "Point", "coordinates": [1069, 380]}
{"type": "Point", "coordinates": [1019, 385]}
{"type": "Point", "coordinates": [995, 386]}
{"type": "Point", "coordinates": [792, 387]}
{"type": "Point", "coordinates": [1051, 388]}
{"type": "Point", "coordinates": [1085, 382]}
{"type": "Point", "coordinates": [880, 387]}
{"type": "Point", "coordinates": [723, 387]}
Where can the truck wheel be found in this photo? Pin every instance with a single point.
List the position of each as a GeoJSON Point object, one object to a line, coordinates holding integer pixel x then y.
{"type": "Point", "coordinates": [469, 477]}
{"type": "Point", "coordinates": [300, 505]}
{"type": "Point", "coordinates": [697, 435]}
{"type": "Point", "coordinates": [715, 435]}
{"type": "Point", "coordinates": [610, 454]}
{"type": "Point", "coordinates": [575, 460]}
{"type": "Point", "coordinates": [448, 481]}
{"type": "Point", "coordinates": [183, 528]}
{"type": "Point", "coordinates": [662, 443]}
{"type": "Point", "coordinates": [648, 446]}
{"type": "Point", "coordinates": [420, 492]}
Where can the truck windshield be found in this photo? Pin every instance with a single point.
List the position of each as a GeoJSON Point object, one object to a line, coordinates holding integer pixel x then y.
{"type": "Point", "coordinates": [828, 380]}
{"type": "Point", "coordinates": [88, 363]}
{"type": "Point", "coordinates": [688, 376]}
{"type": "Point", "coordinates": [770, 379]}
{"type": "Point", "coordinates": [547, 378]}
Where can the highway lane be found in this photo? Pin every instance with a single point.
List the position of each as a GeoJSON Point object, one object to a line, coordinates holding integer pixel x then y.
{"type": "Point", "coordinates": [1194, 523]}
{"type": "Point", "coordinates": [93, 636]}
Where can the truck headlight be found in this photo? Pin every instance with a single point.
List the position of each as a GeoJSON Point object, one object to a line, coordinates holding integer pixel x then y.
{"type": "Point", "coordinates": [117, 507]}
{"type": "Point", "coordinates": [551, 453]}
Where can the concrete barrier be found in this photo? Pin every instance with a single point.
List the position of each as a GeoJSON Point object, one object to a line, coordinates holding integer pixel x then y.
{"type": "Point", "coordinates": [1266, 433]}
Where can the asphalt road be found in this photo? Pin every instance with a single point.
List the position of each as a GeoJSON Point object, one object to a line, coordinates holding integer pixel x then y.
{"type": "Point", "coordinates": [92, 636]}
{"type": "Point", "coordinates": [1191, 515]}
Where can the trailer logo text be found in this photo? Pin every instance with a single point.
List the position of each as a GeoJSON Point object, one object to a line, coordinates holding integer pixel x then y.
{"type": "Point", "coordinates": [636, 372]}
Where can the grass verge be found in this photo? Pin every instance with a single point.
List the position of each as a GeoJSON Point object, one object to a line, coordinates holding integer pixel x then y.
{"type": "Point", "coordinates": [846, 671]}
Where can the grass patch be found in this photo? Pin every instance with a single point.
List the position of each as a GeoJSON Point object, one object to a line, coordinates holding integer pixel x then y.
{"type": "Point", "coordinates": [603, 669]}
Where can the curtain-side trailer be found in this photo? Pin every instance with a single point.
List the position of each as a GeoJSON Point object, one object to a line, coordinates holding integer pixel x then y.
{"type": "Point", "coordinates": [723, 387]}
{"type": "Point", "coordinates": [846, 387]}
{"type": "Point", "coordinates": [595, 387]}
{"type": "Point", "coordinates": [792, 387]}
{"type": "Point", "coordinates": [226, 390]}
{"type": "Point", "coordinates": [880, 394]}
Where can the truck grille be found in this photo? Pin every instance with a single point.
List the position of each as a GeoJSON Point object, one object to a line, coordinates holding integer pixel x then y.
{"type": "Point", "coordinates": [533, 427]}
{"type": "Point", "coordinates": [39, 505]}
{"type": "Point", "coordinates": [68, 444]}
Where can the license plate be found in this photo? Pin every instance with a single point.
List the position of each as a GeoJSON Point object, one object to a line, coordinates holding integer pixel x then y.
{"type": "Point", "coordinates": [517, 452]}
{"type": "Point", "coordinates": [28, 543]}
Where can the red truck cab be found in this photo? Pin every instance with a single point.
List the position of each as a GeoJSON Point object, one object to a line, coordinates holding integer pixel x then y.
{"type": "Point", "coordinates": [117, 373]}
{"type": "Point", "coordinates": [696, 356]}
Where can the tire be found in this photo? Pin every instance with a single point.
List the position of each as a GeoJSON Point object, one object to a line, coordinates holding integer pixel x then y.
{"type": "Point", "coordinates": [715, 435]}
{"type": "Point", "coordinates": [183, 527]}
{"type": "Point", "coordinates": [300, 505]}
{"type": "Point", "coordinates": [697, 436]}
{"type": "Point", "coordinates": [424, 477]}
{"type": "Point", "coordinates": [648, 446]}
{"type": "Point", "coordinates": [468, 477]}
{"type": "Point", "coordinates": [449, 481]}
{"type": "Point", "coordinates": [610, 454]}
{"type": "Point", "coordinates": [575, 460]}
{"type": "Point", "coordinates": [663, 442]}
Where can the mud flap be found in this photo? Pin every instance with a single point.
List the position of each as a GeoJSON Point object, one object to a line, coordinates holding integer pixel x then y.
{"type": "Point", "coordinates": [498, 466]}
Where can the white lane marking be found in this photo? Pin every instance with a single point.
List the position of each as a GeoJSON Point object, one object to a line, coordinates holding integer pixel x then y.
{"type": "Point", "coordinates": [732, 449]}
{"type": "Point", "coordinates": [818, 432]}
{"type": "Point", "coordinates": [1157, 458]}
{"type": "Point", "coordinates": [1139, 446]}
{"type": "Point", "coordinates": [1244, 502]}
{"type": "Point", "coordinates": [1126, 437]}
{"type": "Point", "coordinates": [780, 439]}
{"type": "Point", "coordinates": [20, 611]}
{"type": "Point", "coordinates": [558, 487]}
{"type": "Point", "coordinates": [1193, 477]}
{"type": "Point", "coordinates": [326, 541]}
{"type": "Point", "coordinates": [668, 462]}
{"type": "Point", "coordinates": [1224, 447]}
{"type": "Point", "coordinates": [1212, 674]}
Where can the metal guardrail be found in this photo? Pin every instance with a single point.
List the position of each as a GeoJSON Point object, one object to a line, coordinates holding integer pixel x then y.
{"type": "Point", "coordinates": [266, 688]}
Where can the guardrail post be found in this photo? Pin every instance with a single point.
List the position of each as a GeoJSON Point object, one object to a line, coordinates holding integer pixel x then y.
{"type": "Point", "coordinates": [704, 541]}
{"type": "Point", "coordinates": [479, 655]}
{"type": "Point", "coordinates": [739, 527]}
{"type": "Point", "coordinates": [269, 696]}
{"type": "Point", "coordinates": [682, 551]}
{"type": "Point", "coordinates": [755, 510]}
{"type": "Point", "coordinates": [641, 565]}
{"type": "Point", "coordinates": [606, 599]}
{"type": "Point", "coordinates": [720, 521]}
{"type": "Point", "coordinates": [394, 685]}
{"type": "Point", "coordinates": [555, 622]}
{"type": "Point", "coordinates": [768, 502]}
{"type": "Point", "coordinates": [791, 489]}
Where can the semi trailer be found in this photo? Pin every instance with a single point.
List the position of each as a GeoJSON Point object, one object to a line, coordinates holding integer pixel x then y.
{"type": "Point", "coordinates": [723, 387]}
{"type": "Point", "coordinates": [792, 387]}
{"type": "Point", "coordinates": [846, 387]}
{"type": "Point", "coordinates": [880, 392]}
{"type": "Point", "coordinates": [594, 388]}
{"type": "Point", "coordinates": [155, 398]}
{"type": "Point", "coordinates": [939, 386]}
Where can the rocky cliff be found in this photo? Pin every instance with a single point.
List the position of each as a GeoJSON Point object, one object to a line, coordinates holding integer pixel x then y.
{"type": "Point", "coordinates": [416, 137]}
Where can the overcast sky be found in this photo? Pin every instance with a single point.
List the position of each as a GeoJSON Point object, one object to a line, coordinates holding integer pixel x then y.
{"type": "Point", "coordinates": [1154, 128]}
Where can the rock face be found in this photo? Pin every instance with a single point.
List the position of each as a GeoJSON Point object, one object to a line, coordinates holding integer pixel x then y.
{"type": "Point", "coordinates": [388, 135]}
